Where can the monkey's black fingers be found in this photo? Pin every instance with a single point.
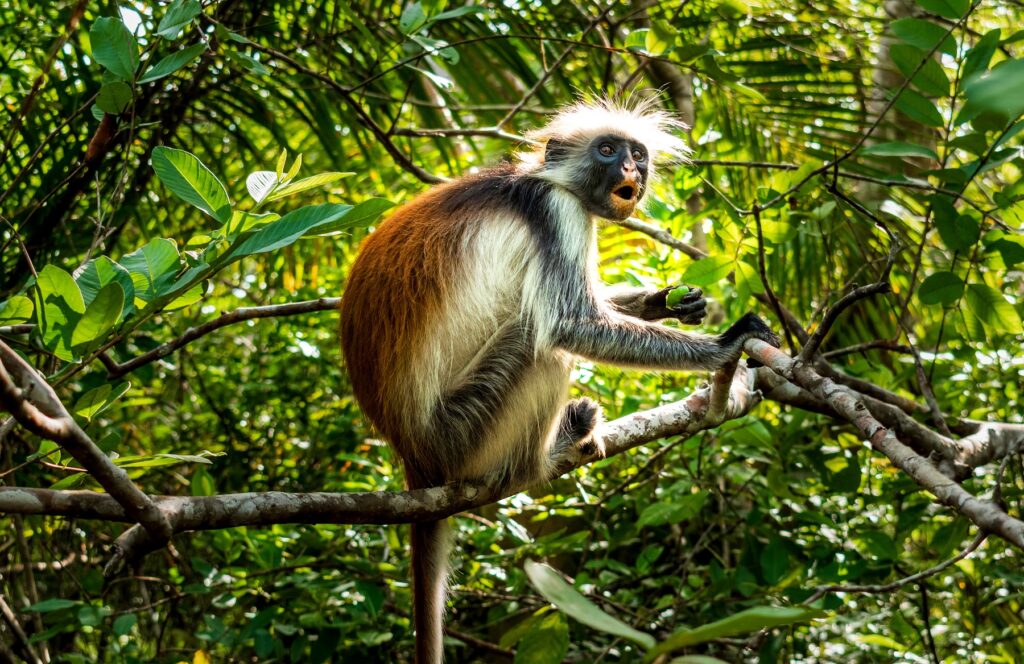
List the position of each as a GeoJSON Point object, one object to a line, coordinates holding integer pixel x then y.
{"type": "Point", "coordinates": [694, 319]}
{"type": "Point", "coordinates": [693, 295]}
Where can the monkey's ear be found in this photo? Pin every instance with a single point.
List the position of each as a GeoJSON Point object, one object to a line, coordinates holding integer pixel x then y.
{"type": "Point", "coordinates": [555, 151]}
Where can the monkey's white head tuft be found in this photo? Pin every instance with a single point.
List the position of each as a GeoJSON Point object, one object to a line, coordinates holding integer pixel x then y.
{"type": "Point", "coordinates": [640, 120]}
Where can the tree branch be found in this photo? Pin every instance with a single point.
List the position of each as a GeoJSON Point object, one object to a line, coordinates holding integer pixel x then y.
{"type": "Point", "coordinates": [35, 406]}
{"type": "Point", "coordinates": [985, 514]}
{"type": "Point", "coordinates": [116, 370]}
{"type": "Point", "coordinates": [685, 417]}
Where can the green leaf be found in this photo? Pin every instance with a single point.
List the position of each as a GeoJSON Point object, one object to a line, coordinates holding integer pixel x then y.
{"type": "Point", "coordinates": [546, 642]}
{"type": "Point", "coordinates": [152, 268]}
{"type": "Point", "coordinates": [362, 215]}
{"type": "Point", "coordinates": [59, 306]}
{"type": "Point", "coordinates": [186, 176]}
{"type": "Point", "coordinates": [958, 233]}
{"type": "Point", "coordinates": [681, 509]}
{"type": "Point", "coordinates": [288, 229]}
{"type": "Point", "coordinates": [899, 149]}
{"type": "Point", "coordinates": [305, 183]}
{"type": "Point", "coordinates": [114, 97]}
{"type": "Point", "coordinates": [123, 624]}
{"type": "Point", "coordinates": [101, 271]}
{"type": "Point", "coordinates": [774, 561]}
{"type": "Point", "coordinates": [50, 605]}
{"type": "Point", "coordinates": [188, 298]}
{"type": "Point", "coordinates": [991, 308]}
{"type": "Point", "coordinates": [100, 317]}
{"type": "Point", "coordinates": [1000, 90]}
{"type": "Point", "coordinates": [924, 35]}
{"type": "Point", "coordinates": [260, 183]}
{"type": "Point", "coordinates": [98, 399]}
{"type": "Point", "coordinates": [708, 271]}
{"type": "Point", "coordinates": [550, 584]}
{"type": "Point", "coordinates": [202, 483]}
{"type": "Point", "coordinates": [659, 38]}
{"type": "Point", "coordinates": [951, 9]}
{"type": "Point", "coordinates": [114, 47]}
{"type": "Point", "coordinates": [940, 288]}
{"type": "Point", "coordinates": [15, 309]}
{"type": "Point", "coordinates": [412, 19]}
{"type": "Point", "coordinates": [173, 63]}
{"type": "Point", "coordinates": [1011, 248]}
{"type": "Point", "coordinates": [178, 15]}
{"type": "Point", "coordinates": [751, 620]}
{"type": "Point", "coordinates": [637, 40]}
{"type": "Point", "coordinates": [919, 108]}
{"type": "Point", "coordinates": [930, 79]}
{"type": "Point", "coordinates": [980, 55]}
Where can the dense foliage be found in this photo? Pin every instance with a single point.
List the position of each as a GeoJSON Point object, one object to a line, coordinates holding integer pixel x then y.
{"type": "Point", "coordinates": [278, 132]}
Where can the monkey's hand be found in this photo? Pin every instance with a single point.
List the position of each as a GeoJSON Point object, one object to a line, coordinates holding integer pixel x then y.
{"type": "Point", "coordinates": [690, 309]}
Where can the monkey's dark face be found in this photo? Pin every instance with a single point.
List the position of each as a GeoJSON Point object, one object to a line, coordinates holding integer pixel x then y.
{"type": "Point", "coordinates": [611, 176]}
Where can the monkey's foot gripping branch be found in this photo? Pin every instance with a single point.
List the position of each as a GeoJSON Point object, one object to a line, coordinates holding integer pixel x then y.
{"type": "Point", "coordinates": [855, 409]}
{"type": "Point", "coordinates": [730, 395]}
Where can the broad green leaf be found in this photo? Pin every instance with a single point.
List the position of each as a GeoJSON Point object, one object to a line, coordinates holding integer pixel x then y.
{"type": "Point", "coordinates": [637, 40]}
{"type": "Point", "coordinates": [202, 483]}
{"type": "Point", "coordinates": [1000, 90]}
{"type": "Point", "coordinates": [173, 63]}
{"type": "Point", "coordinates": [306, 183]}
{"type": "Point", "coordinates": [15, 309]}
{"type": "Point", "coordinates": [100, 316]}
{"type": "Point", "coordinates": [362, 215]}
{"type": "Point", "coordinates": [1011, 248]}
{"type": "Point", "coordinates": [774, 561]}
{"type": "Point", "coordinates": [751, 620]}
{"type": "Point", "coordinates": [958, 233]}
{"type": "Point", "coordinates": [288, 229]}
{"type": "Point", "coordinates": [73, 481]}
{"type": "Point", "coordinates": [546, 642]}
{"type": "Point", "coordinates": [50, 605]}
{"type": "Point", "coordinates": [260, 183]}
{"type": "Point", "coordinates": [991, 308]}
{"type": "Point", "coordinates": [294, 170]}
{"type": "Point", "coordinates": [878, 544]}
{"type": "Point", "coordinates": [708, 271]}
{"type": "Point", "coordinates": [919, 108]}
{"type": "Point", "coordinates": [980, 54]}
{"type": "Point", "coordinates": [680, 509]}
{"type": "Point", "coordinates": [242, 221]}
{"type": "Point", "coordinates": [152, 268]}
{"type": "Point", "coordinates": [412, 18]}
{"type": "Point", "coordinates": [124, 624]}
{"type": "Point", "coordinates": [191, 181]}
{"type": "Point", "coordinates": [659, 38]}
{"type": "Point", "coordinates": [940, 288]}
{"type": "Point", "coordinates": [98, 399]}
{"type": "Point", "coordinates": [899, 149]}
{"type": "Point", "coordinates": [951, 9]}
{"type": "Point", "coordinates": [59, 306]}
{"type": "Point", "coordinates": [178, 15]}
{"type": "Point", "coordinates": [555, 590]}
{"type": "Point", "coordinates": [188, 298]}
{"type": "Point", "coordinates": [930, 79]}
{"type": "Point", "coordinates": [114, 97]}
{"type": "Point", "coordinates": [924, 34]}
{"type": "Point", "coordinates": [114, 47]}
{"type": "Point", "coordinates": [101, 271]}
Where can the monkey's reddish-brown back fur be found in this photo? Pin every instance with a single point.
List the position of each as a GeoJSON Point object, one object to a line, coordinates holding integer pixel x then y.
{"type": "Point", "coordinates": [396, 286]}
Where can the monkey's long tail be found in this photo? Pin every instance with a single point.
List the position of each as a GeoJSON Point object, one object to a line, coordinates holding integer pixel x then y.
{"type": "Point", "coordinates": [431, 545]}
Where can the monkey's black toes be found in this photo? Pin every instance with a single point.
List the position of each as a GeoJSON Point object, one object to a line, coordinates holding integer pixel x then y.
{"type": "Point", "coordinates": [593, 445]}
{"type": "Point", "coordinates": [581, 418]}
{"type": "Point", "coordinates": [760, 330]}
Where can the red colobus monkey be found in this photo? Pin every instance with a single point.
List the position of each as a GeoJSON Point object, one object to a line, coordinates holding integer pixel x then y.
{"type": "Point", "coordinates": [465, 310]}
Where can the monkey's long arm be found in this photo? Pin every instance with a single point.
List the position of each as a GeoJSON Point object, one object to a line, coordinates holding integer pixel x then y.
{"type": "Point", "coordinates": [616, 339]}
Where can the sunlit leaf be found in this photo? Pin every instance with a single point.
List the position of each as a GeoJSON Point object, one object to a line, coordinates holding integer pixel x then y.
{"type": "Point", "coordinates": [114, 47]}
{"type": "Point", "coordinates": [190, 180]}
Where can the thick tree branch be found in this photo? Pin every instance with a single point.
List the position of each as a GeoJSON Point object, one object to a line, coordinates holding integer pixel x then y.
{"type": "Point", "coordinates": [116, 370]}
{"type": "Point", "coordinates": [986, 515]}
{"type": "Point", "coordinates": [35, 406]}
{"type": "Point", "coordinates": [686, 417]}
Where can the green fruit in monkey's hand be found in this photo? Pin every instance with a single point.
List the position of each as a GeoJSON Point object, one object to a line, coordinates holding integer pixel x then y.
{"type": "Point", "coordinates": [676, 296]}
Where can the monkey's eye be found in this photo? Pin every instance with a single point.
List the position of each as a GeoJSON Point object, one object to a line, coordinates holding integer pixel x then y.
{"type": "Point", "coordinates": [638, 155]}
{"type": "Point", "coordinates": [606, 149]}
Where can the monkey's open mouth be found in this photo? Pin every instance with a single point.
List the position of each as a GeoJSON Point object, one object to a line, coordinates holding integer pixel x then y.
{"type": "Point", "coordinates": [625, 192]}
